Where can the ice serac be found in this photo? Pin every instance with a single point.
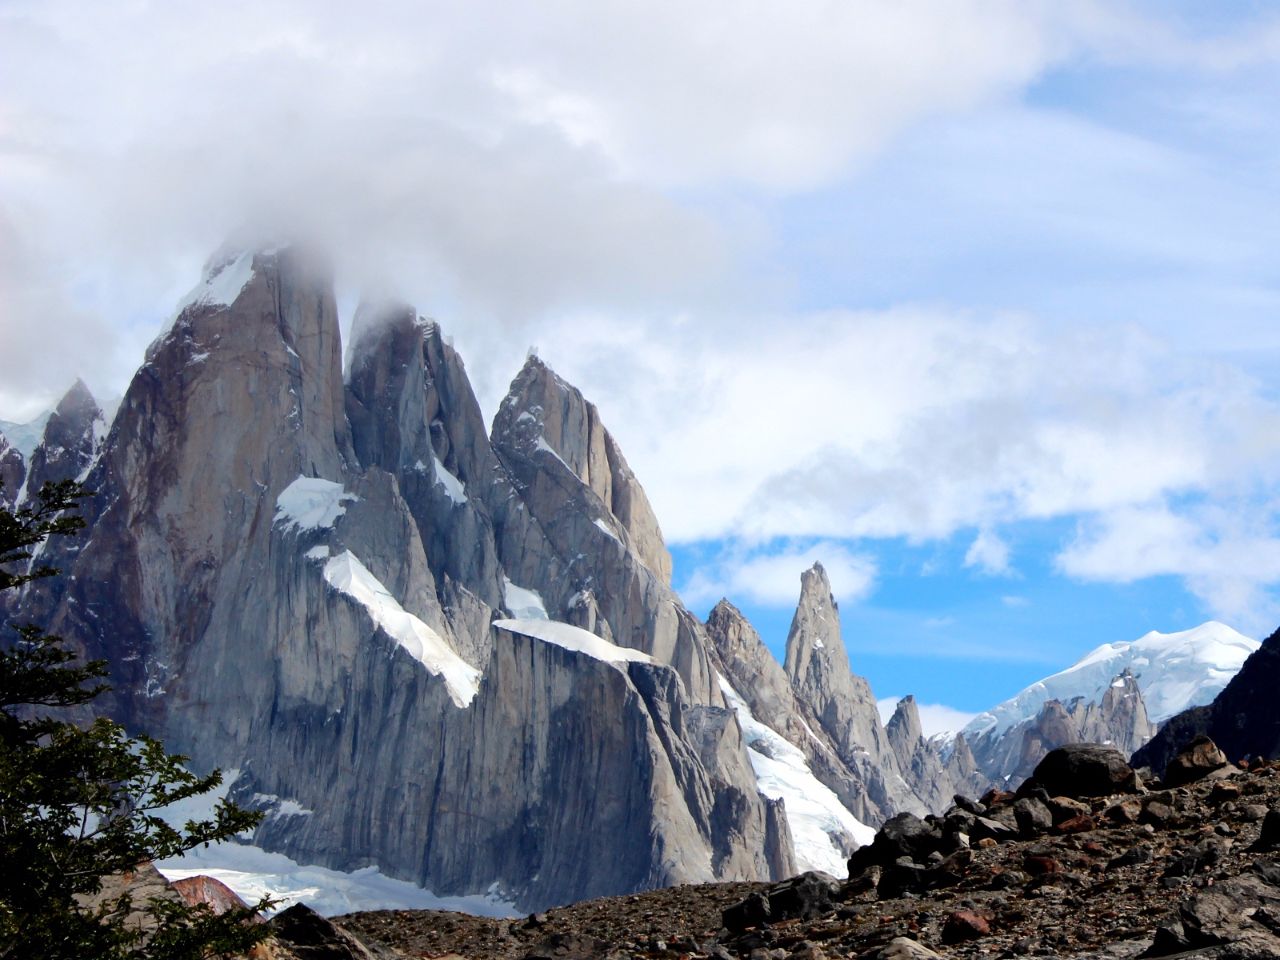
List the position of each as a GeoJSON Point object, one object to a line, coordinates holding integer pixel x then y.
{"type": "Point", "coordinates": [291, 593]}
{"type": "Point", "coordinates": [575, 526]}
{"type": "Point", "coordinates": [818, 668]}
{"type": "Point", "coordinates": [72, 436]}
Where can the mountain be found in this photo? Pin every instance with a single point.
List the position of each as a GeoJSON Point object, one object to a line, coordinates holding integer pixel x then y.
{"type": "Point", "coordinates": [1243, 719]}
{"type": "Point", "coordinates": [452, 654]}
{"type": "Point", "coordinates": [69, 439]}
{"type": "Point", "coordinates": [1117, 694]}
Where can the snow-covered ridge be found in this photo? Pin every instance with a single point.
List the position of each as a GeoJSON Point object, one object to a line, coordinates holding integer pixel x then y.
{"type": "Point", "coordinates": [224, 280]}
{"type": "Point", "coordinates": [814, 813]}
{"type": "Point", "coordinates": [347, 574]}
{"type": "Point", "coordinates": [310, 503]}
{"type": "Point", "coordinates": [573, 638]}
{"type": "Point", "coordinates": [1174, 671]}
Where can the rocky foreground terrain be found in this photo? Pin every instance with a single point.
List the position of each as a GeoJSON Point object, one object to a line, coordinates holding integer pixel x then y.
{"type": "Point", "coordinates": [1088, 859]}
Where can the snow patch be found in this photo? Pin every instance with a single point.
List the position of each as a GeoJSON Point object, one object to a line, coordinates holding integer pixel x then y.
{"type": "Point", "coordinates": [221, 286]}
{"type": "Point", "coordinates": [1174, 671]}
{"type": "Point", "coordinates": [573, 638]}
{"type": "Point", "coordinates": [452, 485]}
{"type": "Point", "coordinates": [310, 503]}
{"type": "Point", "coordinates": [546, 448]}
{"type": "Point", "coordinates": [253, 872]}
{"type": "Point", "coordinates": [317, 553]}
{"type": "Point", "coordinates": [814, 813]}
{"type": "Point", "coordinates": [523, 603]}
{"type": "Point", "coordinates": [348, 575]}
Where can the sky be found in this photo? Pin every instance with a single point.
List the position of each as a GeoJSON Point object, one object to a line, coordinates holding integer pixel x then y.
{"type": "Point", "coordinates": [975, 302]}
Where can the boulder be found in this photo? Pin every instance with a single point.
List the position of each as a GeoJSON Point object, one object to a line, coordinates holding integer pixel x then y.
{"type": "Point", "coordinates": [1084, 770]}
{"type": "Point", "coordinates": [905, 835]}
{"type": "Point", "coordinates": [1195, 761]}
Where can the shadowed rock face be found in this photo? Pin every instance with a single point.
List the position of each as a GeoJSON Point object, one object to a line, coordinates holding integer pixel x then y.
{"type": "Point", "coordinates": [1244, 719]}
{"type": "Point", "coordinates": [13, 470]}
{"type": "Point", "coordinates": [322, 646]}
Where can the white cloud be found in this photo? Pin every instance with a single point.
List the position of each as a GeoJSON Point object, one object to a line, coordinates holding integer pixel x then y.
{"type": "Point", "coordinates": [1227, 553]}
{"type": "Point", "coordinates": [772, 578]}
{"type": "Point", "coordinates": [988, 554]}
{"type": "Point", "coordinates": [935, 718]}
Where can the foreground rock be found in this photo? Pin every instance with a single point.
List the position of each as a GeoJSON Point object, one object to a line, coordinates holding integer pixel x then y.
{"type": "Point", "coordinates": [1117, 876]}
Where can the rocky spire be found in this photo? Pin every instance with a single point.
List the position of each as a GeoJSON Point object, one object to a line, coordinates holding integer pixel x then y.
{"type": "Point", "coordinates": [817, 666]}
{"type": "Point", "coordinates": [71, 439]}
{"type": "Point", "coordinates": [413, 414]}
{"type": "Point", "coordinates": [904, 730]}
{"type": "Point", "coordinates": [551, 417]}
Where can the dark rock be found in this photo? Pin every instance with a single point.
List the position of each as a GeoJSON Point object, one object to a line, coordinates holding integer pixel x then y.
{"type": "Point", "coordinates": [969, 806]}
{"type": "Point", "coordinates": [1223, 791]}
{"type": "Point", "coordinates": [1156, 814]}
{"type": "Point", "coordinates": [1033, 816]}
{"type": "Point", "coordinates": [985, 828]}
{"type": "Point", "coordinates": [902, 878]}
{"type": "Point", "coordinates": [1131, 857]}
{"type": "Point", "coordinates": [1196, 760]}
{"type": "Point", "coordinates": [751, 912]}
{"type": "Point", "coordinates": [309, 936]}
{"type": "Point", "coordinates": [905, 835]}
{"type": "Point", "coordinates": [1085, 770]}
{"type": "Point", "coordinates": [1203, 854]}
{"type": "Point", "coordinates": [804, 897]}
{"type": "Point", "coordinates": [1269, 839]}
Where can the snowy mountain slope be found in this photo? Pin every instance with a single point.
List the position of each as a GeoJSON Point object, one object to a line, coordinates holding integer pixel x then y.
{"type": "Point", "coordinates": [821, 827]}
{"type": "Point", "coordinates": [1174, 671]}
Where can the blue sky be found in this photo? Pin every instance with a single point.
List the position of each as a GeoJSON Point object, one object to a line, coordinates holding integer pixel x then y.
{"type": "Point", "coordinates": [975, 302]}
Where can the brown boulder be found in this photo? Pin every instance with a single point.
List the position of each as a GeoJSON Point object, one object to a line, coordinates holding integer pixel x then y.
{"type": "Point", "coordinates": [1196, 760]}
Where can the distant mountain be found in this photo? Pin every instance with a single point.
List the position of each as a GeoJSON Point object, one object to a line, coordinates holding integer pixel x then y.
{"type": "Point", "coordinates": [1118, 693]}
{"type": "Point", "coordinates": [25, 437]}
{"type": "Point", "coordinates": [1243, 719]}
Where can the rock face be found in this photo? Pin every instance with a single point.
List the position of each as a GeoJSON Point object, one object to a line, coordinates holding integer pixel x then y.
{"type": "Point", "coordinates": [297, 576]}
{"type": "Point", "coordinates": [1244, 719]}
